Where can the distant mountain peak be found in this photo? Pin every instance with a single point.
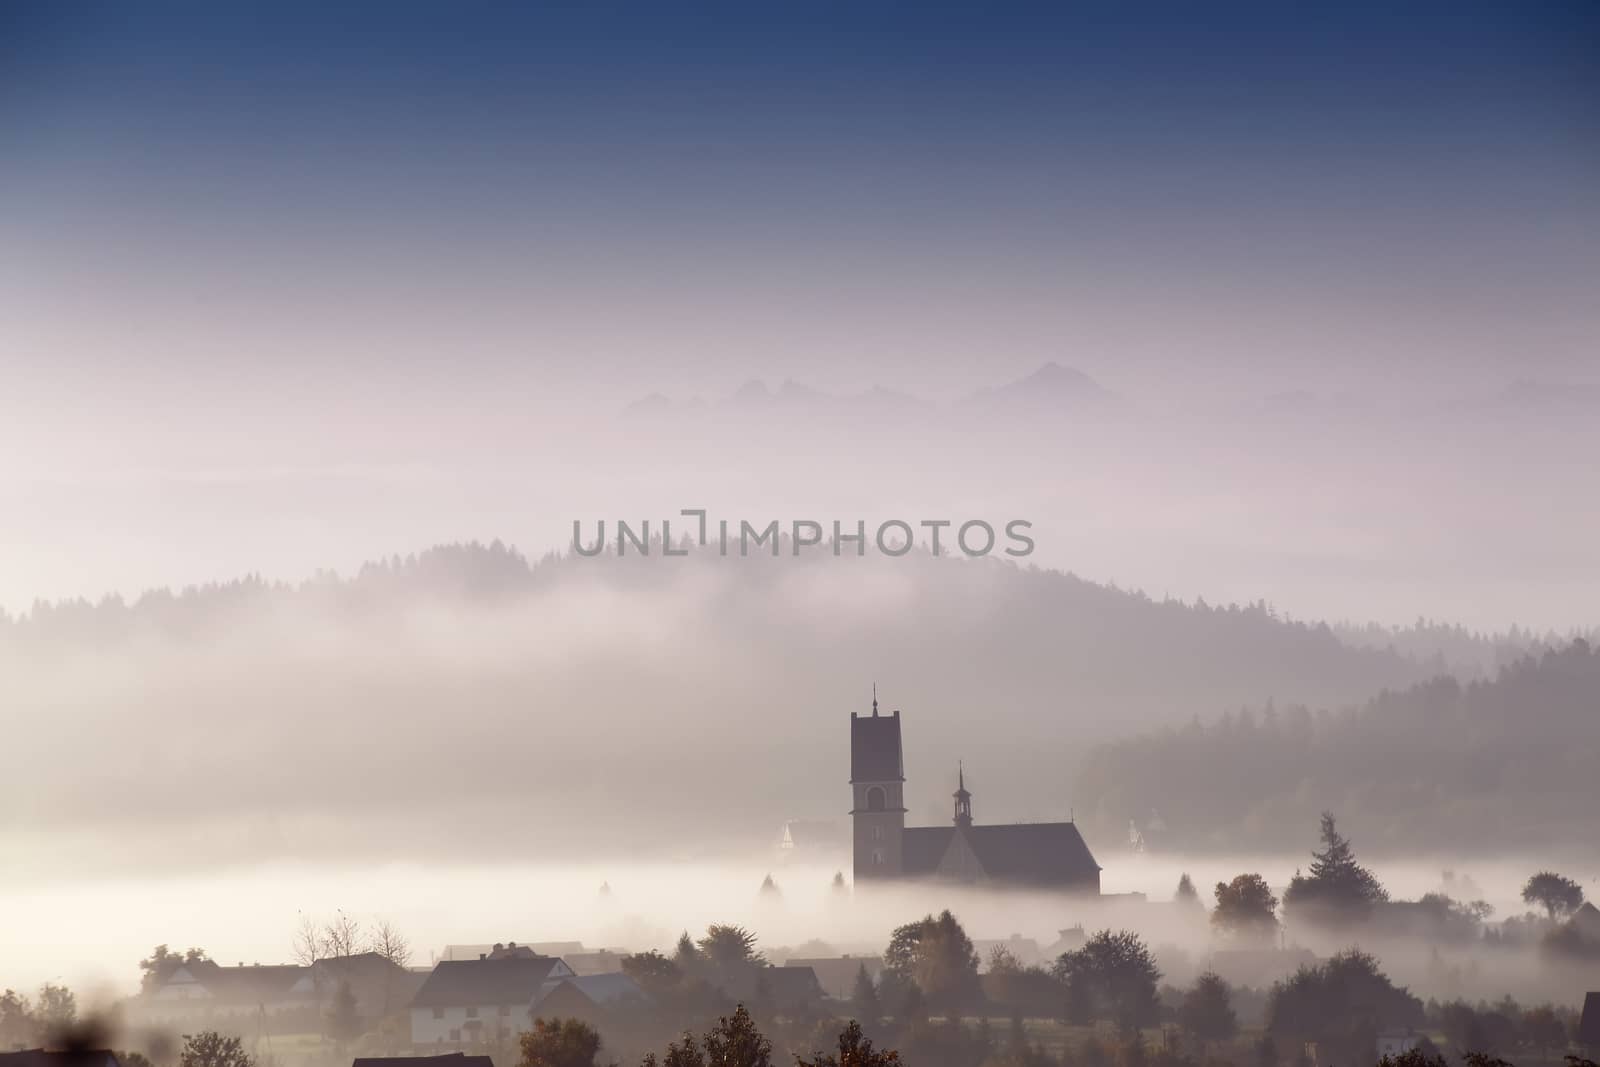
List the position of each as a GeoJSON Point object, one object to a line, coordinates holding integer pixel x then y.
{"type": "Point", "coordinates": [1053, 375]}
{"type": "Point", "coordinates": [755, 390]}
{"type": "Point", "coordinates": [1051, 386]}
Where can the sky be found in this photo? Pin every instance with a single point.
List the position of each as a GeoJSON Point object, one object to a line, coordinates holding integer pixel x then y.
{"type": "Point", "coordinates": [288, 244]}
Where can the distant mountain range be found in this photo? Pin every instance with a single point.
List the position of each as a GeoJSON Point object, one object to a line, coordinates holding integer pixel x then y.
{"type": "Point", "coordinates": [1050, 389]}
{"type": "Point", "coordinates": [1055, 389]}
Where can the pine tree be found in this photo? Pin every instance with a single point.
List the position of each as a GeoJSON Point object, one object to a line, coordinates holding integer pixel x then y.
{"type": "Point", "coordinates": [864, 998]}
{"type": "Point", "coordinates": [1337, 883]}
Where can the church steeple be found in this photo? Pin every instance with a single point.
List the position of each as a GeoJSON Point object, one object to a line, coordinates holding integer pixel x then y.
{"type": "Point", "coordinates": [963, 798]}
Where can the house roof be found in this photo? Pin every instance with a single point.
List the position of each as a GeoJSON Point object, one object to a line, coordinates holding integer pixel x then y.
{"type": "Point", "coordinates": [1041, 853]}
{"type": "Point", "coordinates": [875, 748]}
{"type": "Point", "coordinates": [38, 1057]}
{"type": "Point", "coordinates": [1589, 1023]}
{"type": "Point", "coordinates": [597, 988]}
{"type": "Point", "coordinates": [837, 974]}
{"type": "Point", "coordinates": [789, 984]}
{"type": "Point", "coordinates": [378, 984]}
{"type": "Point", "coordinates": [361, 963]}
{"type": "Point", "coordinates": [446, 1059]}
{"type": "Point", "coordinates": [514, 980]}
{"type": "Point", "coordinates": [783, 986]}
{"type": "Point", "coordinates": [245, 984]}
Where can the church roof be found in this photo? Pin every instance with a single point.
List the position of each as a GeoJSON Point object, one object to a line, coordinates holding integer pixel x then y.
{"type": "Point", "coordinates": [922, 847]}
{"type": "Point", "coordinates": [1035, 853]}
{"type": "Point", "coordinates": [875, 748]}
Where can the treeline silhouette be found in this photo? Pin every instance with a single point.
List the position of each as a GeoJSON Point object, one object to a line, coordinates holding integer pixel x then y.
{"type": "Point", "coordinates": [1440, 764]}
{"type": "Point", "coordinates": [1106, 1003]}
{"type": "Point", "coordinates": [1451, 648]}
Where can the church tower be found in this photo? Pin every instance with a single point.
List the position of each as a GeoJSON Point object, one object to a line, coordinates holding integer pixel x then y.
{"type": "Point", "coordinates": [963, 798]}
{"type": "Point", "coordinates": [877, 787]}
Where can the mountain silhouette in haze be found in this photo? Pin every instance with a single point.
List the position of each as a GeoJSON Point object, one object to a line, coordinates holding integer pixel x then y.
{"type": "Point", "coordinates": [1527, 397]}
{"type": "Point", "coordinates": [1052, 389]}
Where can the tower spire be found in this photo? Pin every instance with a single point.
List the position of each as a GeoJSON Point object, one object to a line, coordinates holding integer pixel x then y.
{"type": "Point", "coordinates": [874, 700]}
{"type": "Point", "coordinates": [963, 798]}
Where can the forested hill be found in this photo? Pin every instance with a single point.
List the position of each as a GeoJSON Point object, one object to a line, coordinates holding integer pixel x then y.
{"type": "Point", "coordinates": [1458, 650]}
{"type": "Point", "coordinates": [440, 664]}
{"type": "Point", "coordinates": [1509, 763]}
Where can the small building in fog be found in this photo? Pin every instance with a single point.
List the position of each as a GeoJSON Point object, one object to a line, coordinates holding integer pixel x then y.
{"type": "Point", "coordinates": [588, 997]}
{"type": "Point", "coordinates": [837, 974]}
{"type": "Point", "coordinates": [468, 1001]}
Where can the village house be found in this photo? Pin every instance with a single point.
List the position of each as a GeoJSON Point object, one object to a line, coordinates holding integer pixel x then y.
{"type": "Point", "coordinates": [562, 949]}
{"type": "Point", "coordinates": [837, 974]}
{"type": "Point", "coordinates": [587, 996]}
{"type": "Point", "coordinates": [786, 990]}
{"type": "Point", "coordinates": [481, 1000]}
{"type": "Point", "coordinates": [204, 988]}
{"type": "Point", "coordinates": [379, 985]}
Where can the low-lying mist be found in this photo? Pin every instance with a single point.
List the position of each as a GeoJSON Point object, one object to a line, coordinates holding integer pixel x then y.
{"type": "Point", "coordinates": [91, 934]}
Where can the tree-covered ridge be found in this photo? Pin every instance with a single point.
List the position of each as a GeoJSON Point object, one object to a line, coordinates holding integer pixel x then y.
{"type": "Point", "coordinates": [1454, 649]}
{"type": "Point", "coordinates": [770, 650]}
{"type": "Point", "coordinates": [1450, 765]}
{"type": "Point", "coordinates": [474, 571]}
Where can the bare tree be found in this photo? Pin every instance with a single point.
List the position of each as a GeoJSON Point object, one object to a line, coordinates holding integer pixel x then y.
{"type": "Point", "coordinates": [341, 936]}
{"type": "Point", "coordinates": [386, 940]}
{"type": "Point", "coordinates": [308, 941]}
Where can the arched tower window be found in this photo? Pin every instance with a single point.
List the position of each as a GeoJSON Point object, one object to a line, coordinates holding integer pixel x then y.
{"type": "Point", "coordinates": [875, 800]}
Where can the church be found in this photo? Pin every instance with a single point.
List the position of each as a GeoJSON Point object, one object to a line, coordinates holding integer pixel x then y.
{"type": "Point", "coordinates": [1040, 856]}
